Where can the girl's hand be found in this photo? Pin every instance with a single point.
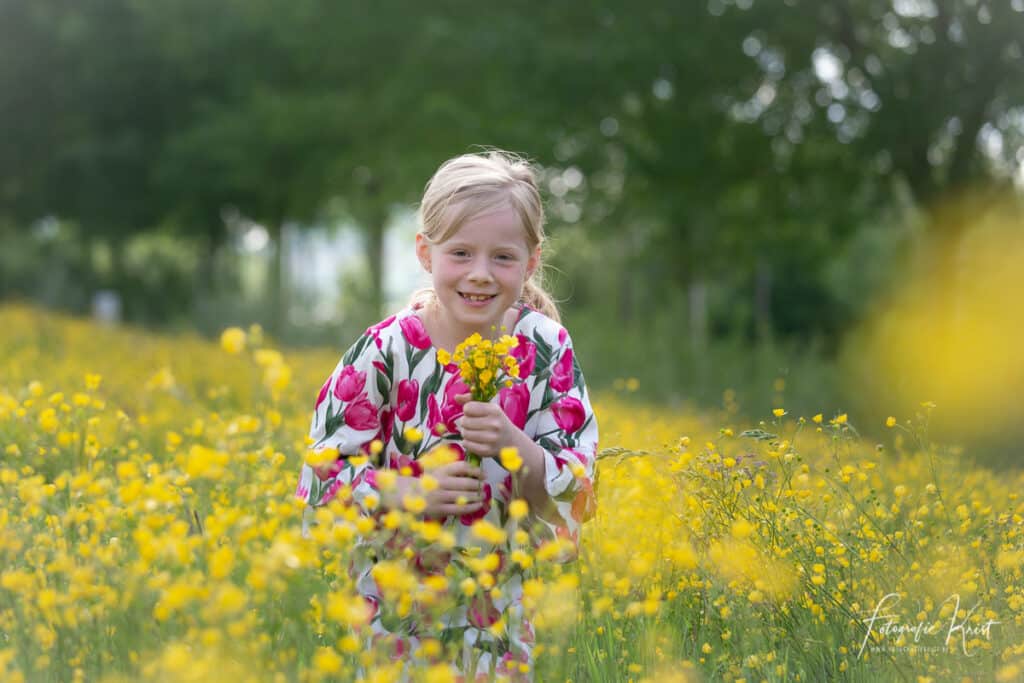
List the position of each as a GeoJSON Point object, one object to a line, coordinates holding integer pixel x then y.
{"type": "Point", "coordinates": [459, 490]}
{"type": "Point", "coordinates": [485, 427]}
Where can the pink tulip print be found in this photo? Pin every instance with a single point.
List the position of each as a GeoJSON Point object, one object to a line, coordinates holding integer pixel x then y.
{"type": "Point", "coordinates": [349, 383]}
{"type": "Point", "coordinates": [515, 402]}
{"type": "Point", "coordinates": [361, 415]}
{"type": "Point", "coordinates": [562, 373]}
{"type": "Point", "coordinates": [408, 393]}
{"type": "Point", "coordinates": [569, 414]}
{"type": "Point", "coordinates": [525, 354]}
{"type": "Point", "coordinates": [414, 332]}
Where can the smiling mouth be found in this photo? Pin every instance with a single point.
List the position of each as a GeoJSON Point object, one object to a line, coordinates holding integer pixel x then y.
{"type": "Point", "coordinates": [477, 297]}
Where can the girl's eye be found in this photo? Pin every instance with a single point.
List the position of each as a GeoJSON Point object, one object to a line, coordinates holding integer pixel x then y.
{"type": "Point", "coordinates": [460, 253]}
{"type": "Point", "coordinates": [504, 257]}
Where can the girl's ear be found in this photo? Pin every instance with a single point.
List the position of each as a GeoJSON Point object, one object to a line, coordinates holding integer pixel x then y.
{"type": "Point", "coordinates": [532, 263]}
{"type": "Point", "coordinates": [423, 251]}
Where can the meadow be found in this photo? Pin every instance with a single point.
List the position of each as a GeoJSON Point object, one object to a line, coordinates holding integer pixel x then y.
{"type": "Point", "coordinates": [150, 532]}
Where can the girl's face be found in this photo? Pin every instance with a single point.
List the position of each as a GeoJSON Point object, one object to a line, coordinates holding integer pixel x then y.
{"type": "Point", "coordinates": [479, 272]}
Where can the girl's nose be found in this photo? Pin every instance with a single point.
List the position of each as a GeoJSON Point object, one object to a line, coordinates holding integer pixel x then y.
{"type": "Point", "coordinates": [480, 272]}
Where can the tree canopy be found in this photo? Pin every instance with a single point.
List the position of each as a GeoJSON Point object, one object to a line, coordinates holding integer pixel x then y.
{"type": "Point", "coordinates": [720, 142]}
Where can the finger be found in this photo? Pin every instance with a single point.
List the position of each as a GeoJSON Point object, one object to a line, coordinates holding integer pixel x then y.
{"type": "Point", "coordinates": [461, 483]}
{"type": "Point", "coordinates": [480, 446]}
{"type": "Point", "coordinates": [452, 509]}
{"type": "Point", "coordinates": [460, 471]}
{"type": "Point", "coordinates": [463, 497]}
{"type": "Point", "coordinates": [478, 409]}
{"type": "Point", "coordinates": [489, 423]}
{"type": "Point", "coordinates": [469, 424]}
{"type": "Point", "coordinates": [463, 399]}
{"type": "Point", "coordinates": [466, 469]}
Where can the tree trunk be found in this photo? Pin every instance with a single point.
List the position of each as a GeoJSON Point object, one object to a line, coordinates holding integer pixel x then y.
{"type": "Point", "coordinates": [763, 300]}
{"type": "Point", "coordinates": [697, 293]}
{"type": "Point", "coordinates": [627, 278]}
{"type": "Point", "coordinates": [698, 300]}
{"type": "Point", "coordinates": [276, 278]}
{"type": "Point", "coordinates": [374, 230]}
{"type": "Point", "coordinates": [205, 284]}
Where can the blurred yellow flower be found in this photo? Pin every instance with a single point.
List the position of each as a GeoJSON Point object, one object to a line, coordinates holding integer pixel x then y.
{"type": "Point", "coordinates": [510, 459]}
{"type": "Point", "coordinates": [48, 421]}
{"type": "Point", "coordinates": [232, 340]}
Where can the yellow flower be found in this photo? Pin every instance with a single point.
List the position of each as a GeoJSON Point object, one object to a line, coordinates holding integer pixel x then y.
{"type": "Point", "coordinates": [315, 458]}
{"type": "Point", "coordinates": [221, 562]}
{"type": "Point", "coordinates": [229, 599]}
{"type": "Point", "coordinates": [523, 559]}
{"type": "Point", "coordinates": [387, 480]}
{"type": "Point", "coordinates": [741, 528]}
{"type": "Point", "coordinates": [518, 508]}
{"type": "Point", "coordinates": [349, 610]}
{"type": "Point", "coordinates": [438, 673]}
{"type": "Point", "coordinates": [205, 462]}
{"type": "Point", "coordinates": [510, 459]}
{"type": "Point", "coordinates": [327, 661]}
{"type": "Point", "coordinates": [277, 377]}
{"type": "Point", "coordinates": [443, 357]}
{"type": "Point", "coordinates": [890, 421]}
{"type": "Point", "coordinates": [267, 357]}
{"type": "Point", "coordinates": [779, 412]}
{"type": "Point", "coordinates": [486, 531]}
{"type": "Point", "coordinates": [414, 504]}
{"type": "Point", "coordinates": [232, 340]}
{"type": "Point", "coordinates": [48, 421]}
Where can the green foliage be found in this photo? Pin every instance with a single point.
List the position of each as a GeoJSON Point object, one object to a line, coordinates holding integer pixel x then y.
{"type": "Point", "coordinates": [756, 157]}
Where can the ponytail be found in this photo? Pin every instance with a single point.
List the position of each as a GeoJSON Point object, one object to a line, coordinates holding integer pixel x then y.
{"type": "Point", "coordinates": [536, 298]}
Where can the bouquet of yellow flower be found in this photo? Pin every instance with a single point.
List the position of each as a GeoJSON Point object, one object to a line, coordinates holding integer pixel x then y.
{"type": "Point", "coordinates": [484, 366]}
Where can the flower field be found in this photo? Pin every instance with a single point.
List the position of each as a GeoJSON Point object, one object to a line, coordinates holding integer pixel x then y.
{"type": "Point", "coordinates": [150, 532]}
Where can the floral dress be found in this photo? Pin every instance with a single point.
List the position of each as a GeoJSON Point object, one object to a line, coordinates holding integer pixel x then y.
{"type": "Point", "coordinates": [389, 381]}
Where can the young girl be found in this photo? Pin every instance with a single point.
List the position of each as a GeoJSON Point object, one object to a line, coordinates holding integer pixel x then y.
{"type": "Point", "coordinates": [480, 240]}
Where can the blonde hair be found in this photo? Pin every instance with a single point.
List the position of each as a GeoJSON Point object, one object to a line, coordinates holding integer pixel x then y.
{"type": "Point", "coordinates": [474, 184]}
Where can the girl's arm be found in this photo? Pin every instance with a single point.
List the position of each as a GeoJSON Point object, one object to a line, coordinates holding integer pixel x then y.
{"type": "Point", "coordinates": [558, 460]}
{"type": "Point", "coordinates": [531, 477]}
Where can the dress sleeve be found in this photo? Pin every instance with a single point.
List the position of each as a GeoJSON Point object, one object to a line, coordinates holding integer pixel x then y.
{"type": "Point", "coordinates": [350, 412]}
{"type": "Point", "coordinates": [567, 432]}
